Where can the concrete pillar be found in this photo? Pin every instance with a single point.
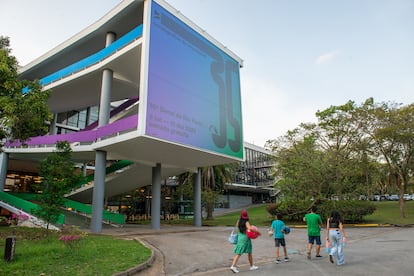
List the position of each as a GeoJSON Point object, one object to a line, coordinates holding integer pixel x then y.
{"type": "Point", "coordinates": [105, 101]}
{"type": "Point", "coordinates": [98, 191]}
{"type": "Point", "coordinates": [156, 197]}
{"type": "Point", "coordinates": [197, 198]}
{"type": "Point", "coordinates": [4, 161]}
{"type": "Point", "coordinates": [84, 169]}
{"type": "Point", "coordinates": [100, 156]}
{"type": "Point", "coordinates": [106, 89]}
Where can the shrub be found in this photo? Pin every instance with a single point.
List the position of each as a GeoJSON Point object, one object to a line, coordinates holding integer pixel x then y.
{"type": "Point", "coordinates": [352, 211]}
{"type": "Point", "coordinates": [71, 235]}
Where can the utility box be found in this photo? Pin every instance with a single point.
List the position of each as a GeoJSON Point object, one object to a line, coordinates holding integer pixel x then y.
{"type": "Point", "coordinates": [9, 248]}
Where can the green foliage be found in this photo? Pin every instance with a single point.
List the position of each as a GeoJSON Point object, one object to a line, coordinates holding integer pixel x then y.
{"type": "Point", "coordinates": [40, 253]}
{"type": "Point", "coordinates": [21, 115]}
{"type": "Point", "coordinates": [352, 211]}
{"type": "Point", "coordinates": [59, 177]}
{"type": "Point", "coordinates": [71, 235]}
{"type": "Point", "coordinates": [212, 183]}
{"type": "Point", "coordinates": [352, 150]}
{"type": "Point", "coordinates": [291, 209]}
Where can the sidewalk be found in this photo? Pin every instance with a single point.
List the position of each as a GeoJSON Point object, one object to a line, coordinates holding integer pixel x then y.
{"type": "Point", "coordinates": [186, 250]}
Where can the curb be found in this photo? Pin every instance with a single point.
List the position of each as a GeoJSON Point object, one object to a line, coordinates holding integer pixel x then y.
{"type": "Point", "coordinates": [136, 269]}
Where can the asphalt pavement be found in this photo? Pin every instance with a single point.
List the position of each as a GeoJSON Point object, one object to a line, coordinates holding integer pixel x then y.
{"type": "Point", "coordinates": [183, 250]}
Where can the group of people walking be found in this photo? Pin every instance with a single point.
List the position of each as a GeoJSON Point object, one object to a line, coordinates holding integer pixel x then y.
{"type": "Point", "coordinates": [335, 237]}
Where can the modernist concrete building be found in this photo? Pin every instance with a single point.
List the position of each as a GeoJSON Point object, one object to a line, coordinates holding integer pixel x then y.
{"type": "Point", "coordinates": [142, 84]}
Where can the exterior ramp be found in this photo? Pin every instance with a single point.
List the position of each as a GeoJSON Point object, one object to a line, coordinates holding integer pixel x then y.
{"type": "Point", "coordinates": [122, 180]}
{"type": "Point", "coordinates": [70, 208]}
{"type": "Point", "coordinates": [25, 209]}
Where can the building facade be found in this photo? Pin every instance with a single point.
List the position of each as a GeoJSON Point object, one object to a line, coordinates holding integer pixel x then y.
{"type": "Point", "coordinates": [141, 95]}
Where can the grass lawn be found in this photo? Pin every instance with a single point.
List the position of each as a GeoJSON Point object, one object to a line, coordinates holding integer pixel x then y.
{"type": "Point", "coordinates": [38, 254]}
{"type": "Point", "coordinates": [387, 212]}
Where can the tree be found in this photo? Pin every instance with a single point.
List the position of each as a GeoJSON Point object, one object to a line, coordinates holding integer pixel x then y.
{"type": "Point", "coordinates": [389, 128]}
{"type": "Point", "coordinates": [213, 179]}
{"type": "Point", "coordinates": [300, 166]}
{"type": "Point", "coordinates": [339, 135]}
{"type": "Point", "coordinates": [326, 159]}
{"type": "Point", "coordinates": [22, 115]}
{"type": "Point", "coordinates": [59, 177]}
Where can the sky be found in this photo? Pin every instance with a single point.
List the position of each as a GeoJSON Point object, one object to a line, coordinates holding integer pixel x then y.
{"type": "Point", "coordinates": [299, 56]}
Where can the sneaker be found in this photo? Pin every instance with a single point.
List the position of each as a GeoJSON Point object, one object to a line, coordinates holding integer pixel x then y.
{"type": "Point", "coordinates": [254, 267]}
{"type": "Point", "coordinates": [331, 259]}
{"type": "Point", "coordinates": [234, 269]}
{"type": "Point", "coordinates": [318, 256]}
{"type": "Point", "coordinates": [287, 259]}
{"type": "Point", "coordinates": [278, 261]}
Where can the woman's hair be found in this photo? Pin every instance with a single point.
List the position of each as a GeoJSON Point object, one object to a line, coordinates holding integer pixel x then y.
{"type": "Point", "coordinates": [242, 225]}
{"type": "Point", "coordinates": [336, 217]}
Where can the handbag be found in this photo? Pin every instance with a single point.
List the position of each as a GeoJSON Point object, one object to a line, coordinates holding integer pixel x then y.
{"type": "Point", "coordinates": [233, 237]}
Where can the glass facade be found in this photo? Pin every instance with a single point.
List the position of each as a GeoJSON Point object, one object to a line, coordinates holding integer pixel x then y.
{"type": "Point", "coordinates": [76, 120]}
{"type": "Point", "coordinates": [256, 169]}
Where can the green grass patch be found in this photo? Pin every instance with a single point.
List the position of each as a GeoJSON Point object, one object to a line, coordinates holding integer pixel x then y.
{"type": "Point", "coordinates": [40, 254]}
{"type": "Point", "coordinates": [257, 216]}
{"type": "Point", "coordinates": [388, 212]}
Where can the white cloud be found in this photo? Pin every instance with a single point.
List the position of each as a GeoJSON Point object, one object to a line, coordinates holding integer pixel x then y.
{"type": "Point", "coordinates": [327, 57]}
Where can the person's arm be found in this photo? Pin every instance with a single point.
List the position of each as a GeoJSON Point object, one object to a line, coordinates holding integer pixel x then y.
{"type": "Point", "coordinates": [248, 226]}
{"type": "Point", "coordinates": [327, 229]}
{"type": "Point", "coordinates": [341, 228]}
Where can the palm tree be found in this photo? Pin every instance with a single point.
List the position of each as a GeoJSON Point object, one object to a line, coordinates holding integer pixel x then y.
{"type": "Point", "coordinates": [213, 179]}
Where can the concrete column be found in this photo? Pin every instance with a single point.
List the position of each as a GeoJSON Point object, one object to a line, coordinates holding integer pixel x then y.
{"type": "Point", "coordinates": [84, 169]}
{"type": "Point", "coordinates": [106, 88]}
{"type": "Point", "coordinates": [197, 198]}
{"type": "Point", "coordinates": [156, 197]}
{"type": "Point", "coordinates": [105, 101]}
{"type": "Point", "coordinates": [4, 161]}
{"type": "Point", "coordinates": [98, 191]}
{"type": "Point", "coordinates": [100, 156]}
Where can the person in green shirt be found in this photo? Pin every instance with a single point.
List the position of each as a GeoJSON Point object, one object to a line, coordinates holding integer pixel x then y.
{"type": "Point", "coordinates": [314, 223]}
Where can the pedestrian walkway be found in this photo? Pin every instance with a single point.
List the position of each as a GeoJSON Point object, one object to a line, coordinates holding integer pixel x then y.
{"type": "Point", "coordinates": [187, 250]}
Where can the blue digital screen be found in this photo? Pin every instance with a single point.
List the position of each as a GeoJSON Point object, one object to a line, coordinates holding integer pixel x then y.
{"type": "Point", "coordinates": [193, 95]}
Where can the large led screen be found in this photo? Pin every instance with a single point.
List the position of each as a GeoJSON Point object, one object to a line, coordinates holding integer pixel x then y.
{"type": "Point", "coordinates": [193, 94]}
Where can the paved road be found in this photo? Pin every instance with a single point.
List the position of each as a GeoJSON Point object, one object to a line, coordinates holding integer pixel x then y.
{"type": "Point", "coordinates": [205, 251]}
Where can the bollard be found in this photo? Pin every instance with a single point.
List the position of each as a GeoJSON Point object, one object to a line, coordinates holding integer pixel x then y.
{"type": "Point", "coordinates": [9, 248]}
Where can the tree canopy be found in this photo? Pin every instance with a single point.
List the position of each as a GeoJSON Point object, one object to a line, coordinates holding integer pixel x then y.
{"type": "Point", "coordinates": [22, 115]}
{"type": "Point", "coordinates": [351, 150]}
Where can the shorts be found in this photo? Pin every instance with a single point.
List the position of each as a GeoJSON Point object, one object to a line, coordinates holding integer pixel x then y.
{"type": "Point", "coordinates": [312, 239]}
{"type": "Point", "coordinates": [280, 242]}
